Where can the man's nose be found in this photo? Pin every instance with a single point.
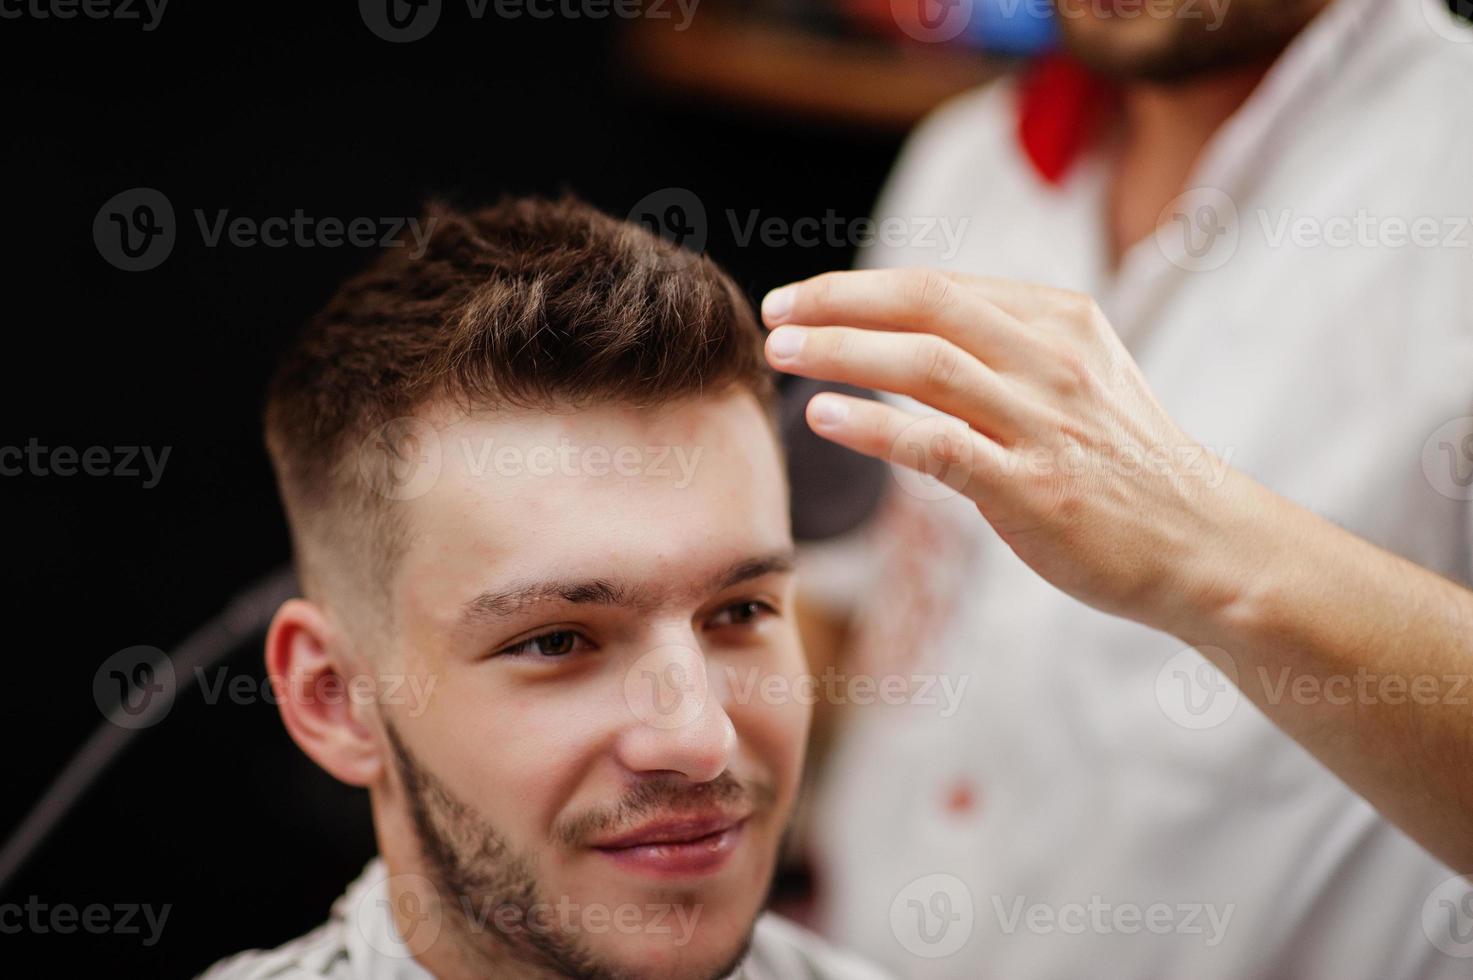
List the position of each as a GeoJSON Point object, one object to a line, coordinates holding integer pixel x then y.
{"type": "Point", "coordinates": [677, 719]}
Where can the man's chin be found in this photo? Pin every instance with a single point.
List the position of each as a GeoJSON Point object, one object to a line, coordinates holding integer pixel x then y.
{"type": "Point", "coordinates": [699, 957]}
{"type": "Point", "coordinates": [618, 929]}
{"type": "Point", "coordinates": [672, 933]}
{"type": "Point", "coordinates": [609, 951]}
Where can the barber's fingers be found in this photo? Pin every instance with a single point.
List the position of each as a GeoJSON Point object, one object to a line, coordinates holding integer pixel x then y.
{"type": "Point", "coordinates": [912, 300]}
{"type": "Point", "coordinates": [1029, 302]}
{"type": "Point", "coordinates": [940, 447]}
{"type": "Point", "coordinates": [1024, 301]}
{"type": "Point", "coordinates": [925, 367]}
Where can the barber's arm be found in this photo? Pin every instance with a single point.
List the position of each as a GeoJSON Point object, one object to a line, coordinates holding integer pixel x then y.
{"type": "Point", "coordinates": [1071, 459]}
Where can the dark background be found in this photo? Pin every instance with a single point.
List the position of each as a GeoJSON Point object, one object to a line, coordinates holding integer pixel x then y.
{"type": "Point", "coordinates": [263, 109]}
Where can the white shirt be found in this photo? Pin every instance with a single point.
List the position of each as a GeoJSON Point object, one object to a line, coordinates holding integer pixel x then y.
{"type": "Point", "coordinates": [1095, 807]}
{"type": "Point", "coordinates": [360, 941]}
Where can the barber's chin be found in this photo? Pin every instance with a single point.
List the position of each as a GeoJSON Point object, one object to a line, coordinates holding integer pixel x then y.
{"type": "Point", "coordinates": [1120, 49]}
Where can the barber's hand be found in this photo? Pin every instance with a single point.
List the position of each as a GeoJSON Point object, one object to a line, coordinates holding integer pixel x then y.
{"type": "Point", "coordinates": [1060, 443]}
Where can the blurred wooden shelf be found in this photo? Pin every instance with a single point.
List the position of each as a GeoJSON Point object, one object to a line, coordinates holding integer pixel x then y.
{"type": "Point", "coordinates": [755, 65]}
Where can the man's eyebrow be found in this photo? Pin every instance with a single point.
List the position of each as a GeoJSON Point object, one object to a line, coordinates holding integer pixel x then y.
{"type": "Point", "coordinates": [506, 602]}
{"type": "Point", "coordinates": [603, 592]}
{"type": "Point", "coordinates": [750, 568]}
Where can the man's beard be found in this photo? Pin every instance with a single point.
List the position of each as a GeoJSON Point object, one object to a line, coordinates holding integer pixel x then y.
{"type": "Point", "coordinates": [477, 874]}
{"type": "Point", "coordinates": [1251, 32]}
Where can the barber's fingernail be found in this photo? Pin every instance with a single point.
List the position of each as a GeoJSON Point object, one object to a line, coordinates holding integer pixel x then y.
{"type": "Point", "coordinates": [785, 342]}
{"type": "Point", "coordinates": [777, 304]}
{"type": "Point", "coordinates": [828, 410]}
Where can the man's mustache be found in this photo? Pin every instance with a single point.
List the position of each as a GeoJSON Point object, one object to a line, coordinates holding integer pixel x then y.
{"type": "Point", "coordinates": [665, 795]}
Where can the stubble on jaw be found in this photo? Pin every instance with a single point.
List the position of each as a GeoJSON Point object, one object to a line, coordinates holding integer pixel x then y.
{"type": "Point", "coordinates": [476, 875]}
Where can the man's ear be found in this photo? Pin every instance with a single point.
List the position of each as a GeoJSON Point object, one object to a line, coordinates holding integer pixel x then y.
{"type": "Point", "coordinates": [306, 661]}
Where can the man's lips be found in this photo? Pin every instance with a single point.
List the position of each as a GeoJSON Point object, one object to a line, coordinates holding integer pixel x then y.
{"type": "Point", "coordinates": [676, 846]}
{"type": "Point", "coordinates": [672, 830]}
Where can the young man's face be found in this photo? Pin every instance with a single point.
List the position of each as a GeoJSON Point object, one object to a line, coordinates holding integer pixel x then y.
{"type": "Point", "coordinates": [602, 776]}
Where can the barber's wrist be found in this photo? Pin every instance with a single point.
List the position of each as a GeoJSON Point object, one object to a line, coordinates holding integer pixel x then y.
{"type": "Point", "coordinates": [1225, 584]}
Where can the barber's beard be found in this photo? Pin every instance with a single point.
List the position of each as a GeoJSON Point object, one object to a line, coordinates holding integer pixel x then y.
{"type": "Point", "coordinates": [477, 874]}
{"type": "Point", "coordinates": [1251, 32]}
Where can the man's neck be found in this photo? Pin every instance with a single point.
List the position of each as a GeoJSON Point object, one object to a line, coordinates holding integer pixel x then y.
{"type": "Point", "coordinates": [1165, 128]}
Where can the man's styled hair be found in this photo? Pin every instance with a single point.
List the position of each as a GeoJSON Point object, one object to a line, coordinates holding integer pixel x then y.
{"type": "Point", "coordinates": [530, 303]}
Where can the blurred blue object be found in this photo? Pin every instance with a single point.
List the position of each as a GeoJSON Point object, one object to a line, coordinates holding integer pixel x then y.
{"type": "Point", "coordinates": [1014, 27]}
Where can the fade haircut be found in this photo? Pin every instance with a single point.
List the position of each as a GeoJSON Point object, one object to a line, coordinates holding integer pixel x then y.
{"type": "Point", "coordinates": [531, 303]}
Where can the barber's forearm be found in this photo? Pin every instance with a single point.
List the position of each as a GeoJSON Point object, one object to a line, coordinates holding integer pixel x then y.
{"type": "Point", "coordinates": [1363, 657]}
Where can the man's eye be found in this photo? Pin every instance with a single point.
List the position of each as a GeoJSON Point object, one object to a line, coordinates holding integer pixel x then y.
{"type": "Point", "coordinates": [558, 643]}
{"type": "Point", "coordinates": [743, 613]}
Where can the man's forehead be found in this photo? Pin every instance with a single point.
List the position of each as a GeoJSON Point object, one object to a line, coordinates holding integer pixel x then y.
{"type": "Point", "coordinates": [694, 455]}
{"type": "Point", "coordinates": [684, 416]}
{"type": "Point", "coordinates": [541, 495]}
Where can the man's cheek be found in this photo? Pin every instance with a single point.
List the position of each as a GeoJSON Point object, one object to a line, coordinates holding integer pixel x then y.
{"type": "Point", "coordinates": [509, 748]}
{"type": "Point", "coordinates": [771, 707]}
